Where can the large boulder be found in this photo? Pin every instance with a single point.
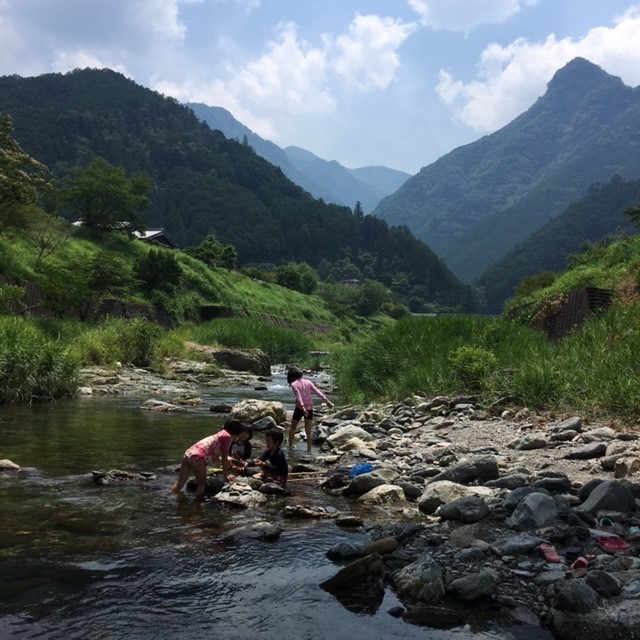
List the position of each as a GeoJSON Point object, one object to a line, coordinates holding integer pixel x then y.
{"type": "Point", "coordinates": [250, 411]}
{"type": "Point", "coordinates": [251, 360]}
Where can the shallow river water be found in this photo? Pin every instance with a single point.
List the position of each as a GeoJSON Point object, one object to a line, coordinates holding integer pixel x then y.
{"type": "Point", "coordinates": [133, 561]}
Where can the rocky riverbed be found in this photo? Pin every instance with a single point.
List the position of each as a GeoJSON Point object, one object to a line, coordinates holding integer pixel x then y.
{"type": "Point", "coordinates": [465, 506]}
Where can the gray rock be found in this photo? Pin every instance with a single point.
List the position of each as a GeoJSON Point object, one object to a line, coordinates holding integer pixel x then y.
{"type": "Point", "coordinates": [520, 544]}
{"type": "Point", "coordinates": [536, 510]}
{"type": "Point", "coordinates": [356, 571]}
{"type": "Point", "coordinates": [468, 509]}
{"type": "Point", "coordinates": [421, 580]}
{"type": "Point", "coordinates": [474, 586]}
{"type": "Point", "coordinates": [592, 450]}
{"type": "Point", "coordinates": [609, 495]}
{"type": "Point", "coordinates": [476, 469]}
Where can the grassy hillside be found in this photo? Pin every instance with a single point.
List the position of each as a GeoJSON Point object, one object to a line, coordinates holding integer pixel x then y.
{"type": "Point", "coordinates": [596, 216]}
{"type": "Point", "coordinates": [203, 183]}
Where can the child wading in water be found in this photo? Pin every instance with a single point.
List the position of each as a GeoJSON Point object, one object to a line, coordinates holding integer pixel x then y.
{"type": "Point", "coordinates": [273, 462]}
{"type": "Point", "coordinates": [213, 447]}
{"type": "Point", "coordinates": [303, 388]}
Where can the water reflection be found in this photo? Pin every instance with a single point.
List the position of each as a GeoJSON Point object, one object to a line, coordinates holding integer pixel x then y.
{"type": "Point", "coordinates": [82, 561]}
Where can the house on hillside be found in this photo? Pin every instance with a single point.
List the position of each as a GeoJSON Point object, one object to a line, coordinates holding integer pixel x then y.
{"type": "Point", "coordinates": [350, 282]}
{"type": "Point", "coordinates": [156, 236]}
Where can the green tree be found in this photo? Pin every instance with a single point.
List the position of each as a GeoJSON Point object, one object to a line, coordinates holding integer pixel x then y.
{"type": "Point", "coordinates": [372, 296]}
{"type": "Point", "coordinates": [21, 177]}
{"type": "Point", "coordinates": [634, 214]}
{"type": "Point", "coordinates": [45, 232]}
{"type": "Point", "coordinates": [159, 270]}
{"type": "Point", "coordinates": [229, 257]}
{"type": "Point", "coordinates": [297, 276]}
{"type": "Point", "coordinates": [208, 251]}
{"type": "Point", "coordinates": [105, 198]}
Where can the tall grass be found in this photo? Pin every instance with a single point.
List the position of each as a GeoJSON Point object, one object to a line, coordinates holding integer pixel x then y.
{"type": "Point", "coordinates": [281, 345]}
{"type": "Point", "coordinates": [31, 366]}
{"type": "Point", "coordinates": [596, 368]}
{"type": "Point", "coordinates": [114, 340]}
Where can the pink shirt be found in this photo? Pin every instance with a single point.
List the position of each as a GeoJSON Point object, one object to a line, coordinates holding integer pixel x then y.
{"type": "Point", "coordinates": [211, 447]}
{"type": "Point", "coordinates": [303, 388]}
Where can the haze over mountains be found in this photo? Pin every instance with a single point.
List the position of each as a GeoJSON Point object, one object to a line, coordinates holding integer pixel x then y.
{"type": "Point", "coordinates": [478, 202]}
{"type": "Point", "coordinates": [326, 179]}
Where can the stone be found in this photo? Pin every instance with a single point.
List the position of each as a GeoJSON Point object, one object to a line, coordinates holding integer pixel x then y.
{"type": "Point", "coordinates": [252, 410]}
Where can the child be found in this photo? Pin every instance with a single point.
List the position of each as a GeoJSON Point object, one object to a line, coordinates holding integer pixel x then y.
{"type": "Point", "coordinates": [303, 388]}
{"type": "Point", "coordinates": [240, 452]}
{"type": "Point", "coordinates": [273, 461]}
{"type": "Point", "coordinates": [212, 447]}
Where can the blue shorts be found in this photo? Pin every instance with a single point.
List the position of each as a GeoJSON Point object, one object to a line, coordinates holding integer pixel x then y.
{"type": "Point", "coordinates": [297, 414]}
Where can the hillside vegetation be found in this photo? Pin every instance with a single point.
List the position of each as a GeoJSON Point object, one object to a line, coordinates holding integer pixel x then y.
{"type": "Point", "coordinates": [593, 218]}
{"type": "Point", "coordinates": [203, 184]}
{"type": "Point", "coordinates": [478, 202]}
{"type": "Point", "coordinates": [506, 361]}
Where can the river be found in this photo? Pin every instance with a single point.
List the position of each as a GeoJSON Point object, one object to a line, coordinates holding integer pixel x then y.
{"type": "Point", "coordinates": [133, 561]}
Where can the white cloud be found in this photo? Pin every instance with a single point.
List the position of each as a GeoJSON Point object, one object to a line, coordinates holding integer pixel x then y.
{"type": "Point", "coordinates": [510, 78]}
{"type": "Point", "coordinates": [367, 55]}
{"type": "Point", "coordinates": [465, 15]}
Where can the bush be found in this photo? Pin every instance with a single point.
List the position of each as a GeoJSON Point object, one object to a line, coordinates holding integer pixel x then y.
{"type": "Point", "coordinates": [31, 366]}
{"type": "Point", "coordinates": [472, 366]}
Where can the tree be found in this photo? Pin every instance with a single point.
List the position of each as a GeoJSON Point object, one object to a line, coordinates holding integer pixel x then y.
{"type": "Point", "coordinates": [21, 176]}
{"type": "Point", "coordinates": [372, 296]}
{"type": "Point", "coordinates": [105, 198]}
{"type": "Point", "coordinates": [634, 214]}
{"type": "Point", "coordinates": [297, 276]}
{"type": "Point", "coordinates": [45, 232]}
{"type": "Point", "coordinates": [159, 270]}
{"type": "Point", "coordinates": [229, 257]}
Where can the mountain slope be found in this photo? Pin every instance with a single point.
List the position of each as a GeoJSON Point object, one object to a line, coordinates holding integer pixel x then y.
{"type": "Point", "coordinates": [324, 179]}
{"type": "Point", "coordinates": [476, 203]}
{"type": "Point", "coordinates": [204, 183]}
{"type": "Point", "coordinates": [597, 215]}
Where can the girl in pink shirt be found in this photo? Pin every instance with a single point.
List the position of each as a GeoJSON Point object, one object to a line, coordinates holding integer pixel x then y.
{"type": "Point", "coordinates": [212, 447]}
{"type": "Point", "coordinates": [302, 389]}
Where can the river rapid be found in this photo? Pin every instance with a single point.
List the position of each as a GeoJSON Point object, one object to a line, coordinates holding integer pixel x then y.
{"type": "Point", "coordinates": [133, 561]}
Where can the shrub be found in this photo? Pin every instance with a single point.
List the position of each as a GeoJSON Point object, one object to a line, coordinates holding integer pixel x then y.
{"type": "Point", "coordinates": [31, 366]}
{"type": "Point", "coordinates": [472, 366]}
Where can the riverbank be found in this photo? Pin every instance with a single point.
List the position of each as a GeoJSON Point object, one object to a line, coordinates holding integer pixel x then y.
{"type": "Point", "coordinates": [459, 501]}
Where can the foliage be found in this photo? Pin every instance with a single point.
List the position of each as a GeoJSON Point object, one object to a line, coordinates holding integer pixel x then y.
{"type": "Point", "coordinates": [9, 293]}
{"type": "Point", "coordinates": [204, 184]}
{"type": "Point", "coordinates": [158, 270]}
{"type": "Point", "coordinates": [31, 366]}
{"type": "Point", "coordinates": [21, 176]}
{"type": "Point", "coordinates": [214, 254]}
{"type": "Point", "coordinates": [480, 201]}
{"type": "Point", "coordinates": [593, 219]}
{"type": "Point", "coordinates": [297, 276]}
{"type": "Point", "coordinates": [103, 197]}
{"type": "Point", "coordinates": [472, 366]}
{"type": "Point", "coordinates": [281, 345]}
{"type": "Point", "coordinates": [634, 215]}
{"type": "Point", "coordinates": [116, 340]}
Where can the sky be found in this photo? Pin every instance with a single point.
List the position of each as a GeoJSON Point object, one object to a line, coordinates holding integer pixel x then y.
{"type": "Point", "coordinates": [397, 83]}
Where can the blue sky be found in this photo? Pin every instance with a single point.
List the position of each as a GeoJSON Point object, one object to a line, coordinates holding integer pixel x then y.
{"type": "Point", "coordinates": [364, 82]}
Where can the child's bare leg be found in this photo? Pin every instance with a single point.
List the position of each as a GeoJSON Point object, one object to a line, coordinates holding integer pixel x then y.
{"type": "Point", "coordinates": [308, 424]}
{"type": "Point", "coordinates": [200, 472]}
{"type": "Point", "coordinates": [185, 470]}
{"type": "Point", "coordinates": [292, 432]}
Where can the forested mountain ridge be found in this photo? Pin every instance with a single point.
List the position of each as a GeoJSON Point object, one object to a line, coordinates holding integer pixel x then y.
{"type": "Point", "coordinates": [596, 216]}
{"type": "Point", "coordinates": [326, 179]}
{"type": "Point", "coordinates": [476, 203]}
{"type": "Point", "coordinates": [203, 183]}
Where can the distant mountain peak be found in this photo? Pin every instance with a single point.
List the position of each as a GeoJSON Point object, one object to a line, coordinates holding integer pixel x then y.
{"type": "Point", "coordinates": [579, 71]}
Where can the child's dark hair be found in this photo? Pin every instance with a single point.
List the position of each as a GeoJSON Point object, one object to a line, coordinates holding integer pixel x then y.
{"type": "Point", "coordinates": [235, 427]}
{"type": "Point", "coordinates": [293, 374]}
{"type": "Point", "coordinates": [275, 435]}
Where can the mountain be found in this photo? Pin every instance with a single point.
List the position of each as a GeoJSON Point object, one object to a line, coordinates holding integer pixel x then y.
{"type": "Point", "coordinates": [596, 216]}
{"type": "Point", "coordinates": [204, 183]}
{"type": "Point", "coordinates": [324, 179]}
{"type": "Point", "coordinates": [475, 204]}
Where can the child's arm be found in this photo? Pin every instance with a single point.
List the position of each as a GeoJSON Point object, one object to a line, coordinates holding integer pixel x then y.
{"type": "Point", "coordinates": [226, 472]}
{"type": "Point", "coordinates": [321, 395]}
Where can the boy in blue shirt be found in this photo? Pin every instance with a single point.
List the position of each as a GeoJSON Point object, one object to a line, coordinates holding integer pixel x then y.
{"type": "Point", "coordinates": [273, 462]}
